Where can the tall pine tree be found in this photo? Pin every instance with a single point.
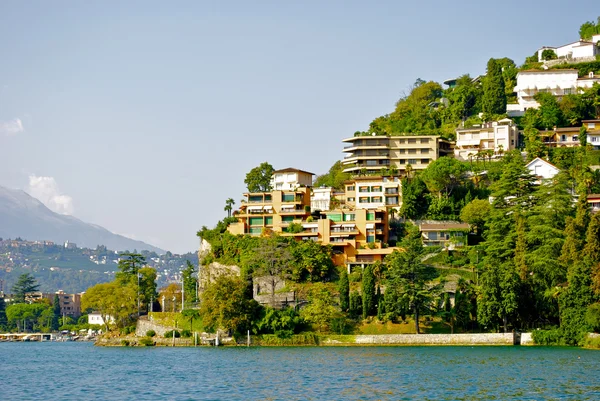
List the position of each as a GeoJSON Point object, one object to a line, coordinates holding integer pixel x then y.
{"type": "Point", "coordinates": [494, 94]}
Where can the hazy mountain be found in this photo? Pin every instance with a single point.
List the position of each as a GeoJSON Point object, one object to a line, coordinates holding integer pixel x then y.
{"type": "Point", "coordinates": [23, 216]}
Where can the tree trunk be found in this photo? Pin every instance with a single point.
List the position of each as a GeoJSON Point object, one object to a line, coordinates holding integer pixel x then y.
{"type": "Point", "coordinates": [505, 323]}
{"type": "Point", "coordinates": [417, 320]}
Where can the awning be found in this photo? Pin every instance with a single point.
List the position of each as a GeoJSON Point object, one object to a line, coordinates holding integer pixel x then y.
{"type": "Point", "coordinates": [370, 225]}
{"type": "Point", "coordinates": [349, 225]}
{"type": "Point", "coordinates": [288, 206]}
{"type": "Point", "coordinates": [255, 207]}
{"type": "Point", "coordinates": [310, 225]}
{"type": "Point", "coordinates": [336, 226]}
{"type": "Point", "coordinates": [268, 207]}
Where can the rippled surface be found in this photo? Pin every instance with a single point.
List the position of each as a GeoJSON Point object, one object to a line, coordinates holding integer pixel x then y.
{"type": "Point", "coordinates": [80, 371]}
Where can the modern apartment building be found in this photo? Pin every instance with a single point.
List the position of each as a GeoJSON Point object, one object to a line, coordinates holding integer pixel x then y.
{"type": "Point", "coordinates": [498, 136]}
{"type": "Point", "coordinates": [271, 210]}
{"type": "Point", "coordinates": [373, 192]}
{"type": "Point", "coordinates": [448, 235]}
{"type": "Point", "coordinates": [569, 136]}
{"type": "Point", "coordinates": [372, 153]}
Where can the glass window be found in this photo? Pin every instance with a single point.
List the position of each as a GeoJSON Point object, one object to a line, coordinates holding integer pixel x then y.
{"type": "Point", "coordinates": [412, 161]}
{"type": "Point", "coordinates": [288, 197]}
{"type": "Point", "coordinates": [363, 189]}
{"type": "Point", "coordinates": [363, 199]}
{"type": "Point", "coordinates": [424, 161]}
{"type": "Point", "coordinates": [337, 217]}
{"type": "Point", "coordinates": [413, 140]}
{"type": "Point", "coordinates": [370, 216]}
{"type": "Point", "coordinates": [269, 220]}
{"type": "Point", "coordinates": [256, 221]}
{"type": "Point", "coordinates": [350, 188]}
{"type": "Point", "coordinates": [376, 188]}
{"type": "Point", "coordinates": [424, 151]}
{"type": "Point", "coordinates": [350, 217]}
{"type": "Point", "coordinates": [424, 140]}
{"type": "Point", "coordinates": [287, 219]}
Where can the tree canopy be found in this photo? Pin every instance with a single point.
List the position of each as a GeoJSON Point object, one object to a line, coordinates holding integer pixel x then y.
{"type": "Point", "coordinates": [259, 178]}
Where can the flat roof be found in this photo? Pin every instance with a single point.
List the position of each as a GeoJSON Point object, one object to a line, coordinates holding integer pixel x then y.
{"type": "Point", "coordinates": [444, 226]}
{"type": "Point", "coordinates": [558, 70]}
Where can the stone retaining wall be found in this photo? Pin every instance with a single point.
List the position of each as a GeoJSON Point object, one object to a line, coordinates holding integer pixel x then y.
{"type": "Point", "coordinates": [526, 339]}
{"type": "Point", "coordinates": [436, 339]}
{"type": "Point", "coordinates": [143, 325]}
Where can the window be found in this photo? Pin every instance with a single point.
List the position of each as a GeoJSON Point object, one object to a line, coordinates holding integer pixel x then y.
{"type": "Point", "coordinates": [424, 151]}
{"type": "Point", "coordinates": [256, 221]}
{"type": "Point", "coordinates": [376, 199]}
{"type": "Point", "coordinates": [287, 219]}
{"type": "Point", "coordinates": [424, 140]}
{"type": "Point", "coordinates": [351, 199]}
{"type": "Point", "coordinates": [363, 189]}
{"type": "Point", "coordinates": [371, 162]}
{"type": "Point", "coordinates": [424, 161]}
{"type": "Point", "coordinates": [350, 188]}
{"type": "Point", "coordinates": [402, 141]}
{"type": "Point", "coordinates": [563, 138]}
{"type": "Point", "coordinates": [269, 220]}
{"type": "Point", "coordinates": [412, 161]}
{"type": "Point", "coordinates": [288, 197]}
{"type": "Point", "coordinates": [370, 216]}
{"type": "Point", "coordinates": [568, 91]}
{"type": "Point", "coordinates": [595, 139]}
{"type": "Point", "coordinates": [363, 199]}
{"type": "Point", "coordinates": [402, 151]}
{"type": "Point", "coordinates": [349, 217]}
{"type": "Point", "coordinates": [591, 125]}
{"type": "Point", "coordinates": [376, 189]}
{"type": "Point", "coordinates": [413, 140]}
{"type": "Point", "coordinates": [412, 151]}
{"type": "Point", "coordinates": [402, 161]}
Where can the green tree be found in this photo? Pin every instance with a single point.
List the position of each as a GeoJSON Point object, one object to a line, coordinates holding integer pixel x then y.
{"type": "Point", "coordinates": [443, 175]}
{"type": "Point", "coordinates": [464, 98]}
{"type": "Point", "coordinates": [476, 214]}
{"type": "Point", "coordinates": [229, 206]}
{"type": "Point", "coordinates": [589, 29]}
{"type": "Point", "coordinates": [3, 320]}
{"type": "Point", "coordinates": [259, 178]}
{"type": "Point", "coordinates": [272, 260]}
{"type": "Point", "coordinates": [189, 282]}
{"type": "Point", "coordinates": [28, 316]}
{"type": "Point", "coordinates": [129, 265]}
{"type": "Point", "coordinates": [408, 276]}
{"type": "Point", "coordinates": [320, 310]}
{"type": "Point", "coordinates": [225, 306]}
{"type": "Point", "coordinates": [344, 289]}
{"type": "Point", "coordinates": [494, 94]}
{"type": "Point", "coordinates": [116, 303]}
{"type": "Point", "coordinates": [591, 250]}
{"type": "Point", "coordinates": [549, 111]}
{"type": "Point", "coordinates": [334, 178]}
{"type": "Point", "coordinates": [25, 284]}
{"type": "Point", "coordinates": [355, 309]}
{"type": "Point", "coordinates": [56, 313]}
{"type": "Point", "coordinates": [549, 54]}
{"type": "Point", "coordinates": [414, 199]}
{"type": "Point", "coordinates": [368, 292]}
{"type": "Point", "coordinates": [146, 287]}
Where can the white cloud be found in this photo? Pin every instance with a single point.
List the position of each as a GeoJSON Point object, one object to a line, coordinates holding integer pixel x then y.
{"type": "Point", "coordinates": [11, 127]}
{"type": "Point", "coordinates": [45, 189]}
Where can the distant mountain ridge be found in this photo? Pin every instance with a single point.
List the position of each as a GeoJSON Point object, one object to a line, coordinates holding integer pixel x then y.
{"type": "Point", "coordinates": [21, 215]}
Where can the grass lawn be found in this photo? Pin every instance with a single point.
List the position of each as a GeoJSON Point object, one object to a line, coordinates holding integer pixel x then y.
{"type": "Point", "coordinates": [435, 326]}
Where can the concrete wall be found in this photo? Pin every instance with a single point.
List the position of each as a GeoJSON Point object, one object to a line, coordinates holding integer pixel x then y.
{"type": "Point", "coordinates": [526, 339]}
{"type": "Point", "coordinates": [437, 339]}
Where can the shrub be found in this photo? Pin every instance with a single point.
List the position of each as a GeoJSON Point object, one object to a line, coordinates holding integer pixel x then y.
{"type": "Point", "coordinates": [128, 330]}
{"type": "Point", "coordinates": [342, 325]}
{"type": "Point", "coordinates": [184, 334]}
{"type": "Point", "coordinates": [548, 337]}
{"type": "Point", "coordinates": [125, 343]}
{"type": "Point", "coordinates": [150, 333]}
{"type": "Point", "coordinates": [147, 342]}
{"type": "Point", "coordinates": [592, 316]}
{"type": "Point", "coordinates": [169, 334]}
{"type": "Point", "coordinates": [592, 342]}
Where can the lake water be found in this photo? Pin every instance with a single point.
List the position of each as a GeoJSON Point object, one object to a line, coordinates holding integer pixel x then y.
{"type": "Point", "coordinates": [80, 371]}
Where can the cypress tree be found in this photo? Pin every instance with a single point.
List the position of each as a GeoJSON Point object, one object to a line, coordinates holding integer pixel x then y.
{"type": "Point", "coordinates": [2, 315]}
{"type": "Point", "coordinates": [55, 312]}
{"type": "Point", "coordinates": [591, 251]}
{"type": "Point", "coordinates": [368, 292]}
{"type": "Point", "coordinates": [380, 305]}
{"type": "Point", "coordinates": [355, 304]}
{"type": "Point", "coordinates": [344, 289]}
{"type": "Point", "coordinates": [494, 94]}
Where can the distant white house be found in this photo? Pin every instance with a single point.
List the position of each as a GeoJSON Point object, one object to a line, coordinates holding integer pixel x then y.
{"type": "Point", "coordinates": [96, 318]}
{"type": "Point", "coordinates": [579, 50]}
{"type": "Point", "coordinates": [556, 82]}
{"type": "Point", "coordinates": [320, 199]}
{"type": "Point", "coordinates": [542, 169]}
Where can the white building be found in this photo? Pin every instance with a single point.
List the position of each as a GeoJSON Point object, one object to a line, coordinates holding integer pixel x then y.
{"type": "Point", "coordinates": [499, 136]}
{"type": "Point", "coordinates": [582, 49]}
{"type": "Point", "coordinates": [542, 169]}
{"type": "Point", "coordinates": [558, 82]}
{"type": "Point", "coordinates": [96, 318]}
{"type": "Point", "coordinates": [290, 179]}
{"type": "Point", "coordinates": [374, 192]}
{"type": "Point", "coordinates": [320, 199]}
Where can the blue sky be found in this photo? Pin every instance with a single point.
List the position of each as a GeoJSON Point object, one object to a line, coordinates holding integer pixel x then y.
{"type": "Point", "coordinates": [143, 117]}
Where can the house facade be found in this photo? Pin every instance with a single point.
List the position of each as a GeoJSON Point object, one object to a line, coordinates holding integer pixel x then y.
{"type": "Point", "coordinates": [448, 235]}
{"type": "Point", "coordinates": [290, 179]}
{"type": "Point", "coordinates": [583, 50]}
{"type": "Point", "coordinates": [372, 153]}
{"type": "Point", "coordinates": [594, 202]}
{"type": "Point", "coordinates": [373, 192]}
{"type": "Point", "coordinates": [558, 82]}
{"type": "Point", "coordinates": [542, 169]}
{"type": "Point", "coordinates": [498, 136]}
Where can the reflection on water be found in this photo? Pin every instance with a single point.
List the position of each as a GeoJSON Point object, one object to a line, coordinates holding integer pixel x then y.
{"type": "Point", "coordinates": [73, 371]}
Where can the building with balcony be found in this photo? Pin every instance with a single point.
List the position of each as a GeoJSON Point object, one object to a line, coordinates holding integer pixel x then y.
{"type": "Point", "coordinates": [373, 153]}
{"type": "Point", "coordinates": [373, 192]}
{"type": "Point", "coordinates": [320, 198]}
{"type": "Point", "coordinates": [448, 235]}
{"type": "Point", "coordinates": [290, 179]}
{"type": "Point", "coordinates": [593, 133]}
{"type": "Point", "coordinates": [498, 136]}
{"type": "Point", "coordinates": [583, 50]}
{"type": "Point", "coordinates": [271, 210]}
{"type": "Point", "coordinates": [594, 202]}
{"type": "Point", "coordinates": [558, 82]}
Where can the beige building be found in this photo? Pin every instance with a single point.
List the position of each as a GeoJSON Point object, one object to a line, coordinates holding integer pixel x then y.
{"type": "Point", "coordinates": [448, 235]}
{"type": "Point", "coordinates": [274, 211]}
{"type": "Point", "coordinates": [372, 153]}
{"type": "Point", "coordinates": [290, 179]}
{"type": "Point", "coordinates": [498, 136]}
{"type": "Point", "coordinates": [373, 192]}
